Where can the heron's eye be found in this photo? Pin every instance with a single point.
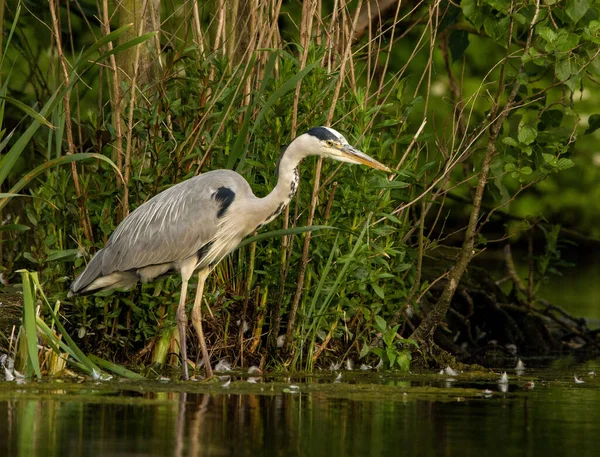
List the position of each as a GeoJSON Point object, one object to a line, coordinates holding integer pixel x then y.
{"type": "Point", "coordinates": [329, 143]}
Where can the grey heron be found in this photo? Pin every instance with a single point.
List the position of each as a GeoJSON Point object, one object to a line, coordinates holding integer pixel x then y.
{"type": "Point", "coordinates": [193, 225]}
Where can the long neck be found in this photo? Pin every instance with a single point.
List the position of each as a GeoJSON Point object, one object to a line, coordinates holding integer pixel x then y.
{"type": "Point", "coordinates": [287, 184]}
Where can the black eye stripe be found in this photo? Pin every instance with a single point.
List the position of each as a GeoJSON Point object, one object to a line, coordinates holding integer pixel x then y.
{"type": "Point", "coordinates": [322, 134]}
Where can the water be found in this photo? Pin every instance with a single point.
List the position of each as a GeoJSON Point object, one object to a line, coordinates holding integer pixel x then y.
{"type": "Point", "coordinates": [578, 291]}
{"type": "Point", "coordinates": [371, 414]}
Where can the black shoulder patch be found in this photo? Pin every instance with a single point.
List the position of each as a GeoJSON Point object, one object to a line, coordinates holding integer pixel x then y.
{"type": "Point", "coordinates": [323, 134]}
{"type": "Point", "coordinates": [224, 196]}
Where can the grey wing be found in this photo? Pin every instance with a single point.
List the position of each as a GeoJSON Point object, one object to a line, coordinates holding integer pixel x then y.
{"type": "Point", "coordinates": [174, 224]}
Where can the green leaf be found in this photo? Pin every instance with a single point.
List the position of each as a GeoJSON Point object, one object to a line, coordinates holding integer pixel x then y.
{"type": "Point", "coordinates": [57, 255]}
{"type": "Point", "coordinates": [497, 29]}
{"type": "Point", "coordinates": [380, 323]}
{"type": "Point", "coordinates": [510, 141]}
{"type": "Point", "coordinates": [525, 170]}
{"type": "Point", "coordinates": [547, 33]}
{"type": "Point", "coordinates": [563, 163]}
{"type": "Point", "coordinates": [576, 9]}
{"type": "Point", "coordinates": [378, 290]}
{"type": "Point", "coordinates": [391, 354]}
{"type": "Point", "coordinates": [563, 69]}
{"type": "Point", "coordinates": [473, 12]}
{"type": "Point", "coordinates": [385, 184]}
{"type": "Point", "coordinates": [404, 359]}
{"type": "Point", "coordinates": [527, 134]}
{"type": "Point", "coordinates": [551, 119]}
{"type": "Point", "coordinates": [593, 123]}
{"type": "Point", "coordinates": [408, 341]}
{"type": "Point", "coordinates": [559, 163]}
{"type": "Point", "coordinates": [459, 42]}
{"type": "Point", "coordinates": [17, 227]}
{"type": "Point", "coordinates": [566, 41]}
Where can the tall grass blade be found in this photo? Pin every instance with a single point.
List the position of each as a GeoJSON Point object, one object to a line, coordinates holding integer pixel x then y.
{"type": "Point", "coordinates": [318, 317]}
{"type": "Point", "coordinates": [10, 34]}
{"type": "Point", "coordinates": [53, 163]}
{"type": "Point", "coordinates": [30, 334]}
{"type": "Point", "coordinates": [133, 42]}
{"type": "Point", "coordinates": [74, 350]}
{"type": "Point", "coordinates": [28, 110]}
{"type": "Point", "coordinates": [59, 346]}
{"type": "Point", "coordinates": [283, 232]}
{"type": "Point", "coordinates": [117, 369]}
{"type": "Point", "coordinates": [80, 67]}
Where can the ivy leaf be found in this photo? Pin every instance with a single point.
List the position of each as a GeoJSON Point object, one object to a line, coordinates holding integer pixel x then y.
{"type": "Point", "coordinates": [459, 42]}
{"type": "Point", "coordinates": [593, 123]}
{"type": "Point", "coordinates": [576, 9]}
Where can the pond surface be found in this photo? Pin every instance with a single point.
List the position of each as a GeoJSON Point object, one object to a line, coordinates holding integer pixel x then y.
{"type": "Point", "coordinates": [542, 412]}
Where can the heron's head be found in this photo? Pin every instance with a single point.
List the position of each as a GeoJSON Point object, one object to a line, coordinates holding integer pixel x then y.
{"type": "Point", "coordinates": [329, 143]}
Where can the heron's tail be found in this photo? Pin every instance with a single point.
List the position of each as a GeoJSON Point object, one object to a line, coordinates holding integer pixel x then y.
{"type": "Point", "coordinates": [92, 279]}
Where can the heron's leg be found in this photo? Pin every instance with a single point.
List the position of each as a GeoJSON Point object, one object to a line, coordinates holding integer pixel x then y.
{"type": "Point", "coordinates": [181, 325]}
{"type": "Point", "coordinates": [197, 319]}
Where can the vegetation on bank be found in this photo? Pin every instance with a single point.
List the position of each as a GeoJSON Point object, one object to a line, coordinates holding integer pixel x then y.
{"type": "Point", "coordinates": [477, 106]}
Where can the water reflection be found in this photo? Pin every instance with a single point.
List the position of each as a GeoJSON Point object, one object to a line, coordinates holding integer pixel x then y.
{"type": "Point", "coordinates": [557, 422]}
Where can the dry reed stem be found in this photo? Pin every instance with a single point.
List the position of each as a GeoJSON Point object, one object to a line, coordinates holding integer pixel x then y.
{"type": "Point", "coordinates": [84, 213]}
{"type": "Point", "coordinates": [197, 28]}
{"type": "Point", "coordinates": [315, 192]}
{"type": "Point", "coordinates": [115, 99]}
{"type": "Point", "coordinates": [130, 122]}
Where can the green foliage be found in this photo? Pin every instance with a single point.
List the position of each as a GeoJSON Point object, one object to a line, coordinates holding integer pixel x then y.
{"type": "Point", "coordinates": [219, 112]}
{"type": "Point", "coordinates": [550, 262]}
{"type": "Point", "coordinates": [395, 352]}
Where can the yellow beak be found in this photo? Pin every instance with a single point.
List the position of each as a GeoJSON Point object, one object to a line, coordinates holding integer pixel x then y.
{"type": "Point", "coordinates": [355, 156]}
